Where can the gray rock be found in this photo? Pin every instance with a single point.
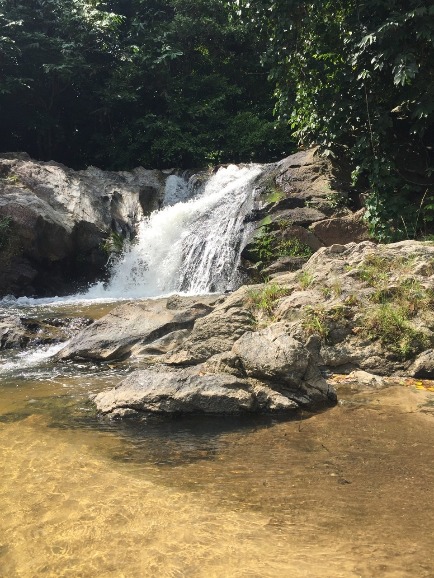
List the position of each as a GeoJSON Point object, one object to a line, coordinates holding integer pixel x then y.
{"type": "Point", "coordinates": [273, 356]}
{"type": "Point", "coordinates": [189, 390]}
{"type": "Point", "coordinates": [159, 391]}
{"type": "Point", "coordinates": [20, 332]}
{"type": "Point", "coordinates": [146, 327]}
{"type": "Point", "coordinates": [341, 230]}
{"type": "Point", "coordinates": [216, 332]}
{"type": "Point", "coordinates": [60, 219]}
{"type": "Point", "coordinates": [423, 366]}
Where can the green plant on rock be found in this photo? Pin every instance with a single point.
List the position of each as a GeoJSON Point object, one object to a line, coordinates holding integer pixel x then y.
{"type": "Point", "coordinates": [274, 194]}
{"type": "Point", "coordinates": [337, 200]}
{"type": "Point", "coordinates": [293, 247]}
{"type": "Point", "coordinates": [315, 322]}
{"type": "Point", "coordinates": [265, 298]}
{"type": "Point", "coordinates": [305, 280]}
{"type": "Point", "coordinates": [389, 323]}
{"type": "Point", "coordinates": [113, 244]}
{"type": "Point", "coordinates": [270, 245]}
{"type": "Point", "coordinates": [376, 269]}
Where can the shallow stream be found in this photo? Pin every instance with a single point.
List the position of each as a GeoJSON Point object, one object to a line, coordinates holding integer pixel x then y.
{"type": "Point", "coordinates": [344, 493]}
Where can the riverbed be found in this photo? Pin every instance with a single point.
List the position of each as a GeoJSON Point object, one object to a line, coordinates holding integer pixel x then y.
{"type": "Point", "coordinates": [344, 493]}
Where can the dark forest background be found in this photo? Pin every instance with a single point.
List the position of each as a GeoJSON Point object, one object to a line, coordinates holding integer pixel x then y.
{"type": "Point", "coordinates": [187, 83]}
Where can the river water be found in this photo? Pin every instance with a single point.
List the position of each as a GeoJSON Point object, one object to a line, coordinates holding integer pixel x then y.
{"type": "Point", "coordinates": [344, 493]}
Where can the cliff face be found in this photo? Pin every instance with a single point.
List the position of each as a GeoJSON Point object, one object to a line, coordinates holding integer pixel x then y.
{"type": "Point", "coordinates": [302, 204]}
{"type": "Point", "coordinates": [56, 224]}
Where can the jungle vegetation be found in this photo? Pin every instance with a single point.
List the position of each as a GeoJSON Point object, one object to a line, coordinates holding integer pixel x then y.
{"type": "Point", "coordinates": [118, 83]}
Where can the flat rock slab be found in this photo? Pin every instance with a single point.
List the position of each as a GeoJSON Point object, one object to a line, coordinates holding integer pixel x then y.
{"type": "Point", "coordinates": [134, 325]}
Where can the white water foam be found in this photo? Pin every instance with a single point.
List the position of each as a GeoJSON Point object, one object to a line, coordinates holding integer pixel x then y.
{"type": "Point", "coordinates": [191, 246]}
{"type": "Point", "coordinates": [33, 358]}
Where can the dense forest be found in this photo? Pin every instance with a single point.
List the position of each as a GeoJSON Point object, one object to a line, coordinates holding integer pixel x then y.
{"type": "Point", "coordinates": [118, 83]}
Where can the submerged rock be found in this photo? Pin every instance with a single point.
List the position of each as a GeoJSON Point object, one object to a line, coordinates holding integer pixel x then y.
{"type": "Point", "coordinates": [20, 332]}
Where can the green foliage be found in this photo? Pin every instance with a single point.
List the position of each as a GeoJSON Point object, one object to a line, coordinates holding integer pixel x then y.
{"type": "Point", "coordinates": [305, 280]}
{"type": "Point", "coordinates": [357, 79]}
{"type": "Point", "coordinates": [317, 320]}
{"type": "Point", "coordinates": [271, 244]}
{"type": "Point", "coordinates": [390, 324]}
{"type": "Point", "coordinates": [119, 83]}
{"type": "Point", "coordinates": [113, 244]}
{"type": "Point", "coordinates": [393, 305]}
{"type": "Point", "coordinates": [264, 300]}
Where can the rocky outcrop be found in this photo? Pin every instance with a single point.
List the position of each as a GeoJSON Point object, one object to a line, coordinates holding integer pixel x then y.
{"type": "Point", "coordinates": [300, 199]}
{"type": "Point", "coordinates": [355, 307]}
{"type": "Point", "coordinates": [56, 224]}
{"type": "Point", "coordinates": [148, 328]}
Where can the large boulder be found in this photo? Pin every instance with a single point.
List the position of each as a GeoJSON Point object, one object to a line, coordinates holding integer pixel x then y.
{"type": "Point", "coordinates": [273, 356]}
{"type": "Point", "coordinates": [56, 223]}
{"type": "Point", "coordinates": [189, 390]}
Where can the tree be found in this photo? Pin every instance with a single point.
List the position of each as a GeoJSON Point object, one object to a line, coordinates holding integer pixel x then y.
{"type": "Point", "coordinates": [356, 77]}
{"type": "Point", "coordinates": [124, 82]}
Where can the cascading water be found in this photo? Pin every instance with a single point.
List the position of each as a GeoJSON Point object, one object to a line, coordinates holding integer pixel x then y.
{"type": "Point", "coordinates": [191, 245]}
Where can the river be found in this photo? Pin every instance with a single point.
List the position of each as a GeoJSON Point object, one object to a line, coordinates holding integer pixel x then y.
{"type": "Point", "coordinates": [344, 493]}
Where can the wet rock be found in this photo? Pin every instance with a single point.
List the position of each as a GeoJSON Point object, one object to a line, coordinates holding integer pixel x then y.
{"type": "Point", "coordinates": [147, 327]}
{"type": "Point", "coordinates": [363, 378]}
{"type": "Point", "coordinates": [58, 220]}
{"type": "Point", "coordinates": [20, 332]}
{"type": "Point", "coordinates": [189, 390]}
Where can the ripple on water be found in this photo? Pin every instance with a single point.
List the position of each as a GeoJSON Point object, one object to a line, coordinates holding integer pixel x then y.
{"type": "Point", "coordinates": [344, 493]}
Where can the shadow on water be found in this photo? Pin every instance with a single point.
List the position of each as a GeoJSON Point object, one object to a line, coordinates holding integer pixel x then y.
{"type": "Point", "coordinates": [159, 440]}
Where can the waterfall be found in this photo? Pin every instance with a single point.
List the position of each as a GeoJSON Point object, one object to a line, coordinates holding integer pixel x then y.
{"type": "Point", "coordinates": [192, 244]}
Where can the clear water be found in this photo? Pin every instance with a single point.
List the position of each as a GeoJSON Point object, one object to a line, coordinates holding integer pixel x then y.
{"type": "Point", "coordinates": [346, 493]}
{"type": "Point", "coordinates": [343, 494]}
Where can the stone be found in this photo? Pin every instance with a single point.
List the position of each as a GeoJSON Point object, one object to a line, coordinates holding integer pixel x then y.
{"type": "Point", "coordinates": [341, 230]}
{"type": "Point", "coordinates": [20, 332]}
{"type": "Point", "coordinates": [60, 218]}
{"type": "Point", "coordinates": [423, 367]}
{"type": "Point", "coordinates": [189, 390]}
{"type": "Point", "coordinates": [181, 391]}
{"type": "Point", "coordinates": [215, 332]}
{"type": "Point", "coordinates": [144, 327]}
{"type": "Point", "coordinates": [273, 356]}
{"type": "Point", "coordinates": [366, 379]}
